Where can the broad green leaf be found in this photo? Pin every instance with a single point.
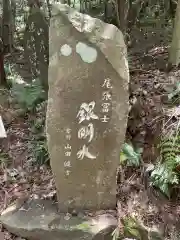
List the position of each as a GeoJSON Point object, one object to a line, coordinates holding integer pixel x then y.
{"type": "Point", "coordinates": [150, 167]}
{"type": "Point", "coordinates": [7, 69]}
{"type": "Point", "coordinates": [83, 226]}
{"type": "Point", "coordinates": [123, 157]}
{"type": "Point", "coordinates": [131, 227]}
{"type": "Point", "coordinates": [115, 234]}
{"type": "Point", "coordinates": [165, 189]}
{"type": "Point", "coordinates": [133, 158]}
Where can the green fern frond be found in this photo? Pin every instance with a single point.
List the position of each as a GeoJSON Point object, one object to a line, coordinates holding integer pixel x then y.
{"type": "Point", "coordinates": [164, 174]}
{"type": "Point", "coordinates": [28, 95]}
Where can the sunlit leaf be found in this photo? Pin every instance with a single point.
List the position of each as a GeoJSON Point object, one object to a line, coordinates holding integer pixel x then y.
{"type": "Point", "coordinates": [83, 226]}
{"type": "Point", "coordinates": [129, 155]}
{"type": "Point", "coordinates": [131, 227]}
{"type": "Point", "coordinates": [123, 157]}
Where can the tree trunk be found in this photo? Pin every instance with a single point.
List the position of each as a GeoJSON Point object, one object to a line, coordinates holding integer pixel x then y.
{"type": "Point", "coordinates": [13, 20]}
{"type": "Point", "coordinates": [2, 71]}
{"type": "Point", "coordinates": [34, 3]}
{"type": "Point", "coordinates": [174, 53]}
{"type": "Point", "coordinates": [122, 8]}
{"type": "Point", "coordinates": [134, 11]}
{"type": "Point", "coordinates": [6, 26]}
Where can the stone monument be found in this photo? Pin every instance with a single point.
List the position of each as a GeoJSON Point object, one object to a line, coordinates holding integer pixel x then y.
{"type": "Point", "coordinates": [86, 123]}
{"type": "Point", "coordinates": [87, 108]}
{"type": "Point", "coordinates": [36, 46]}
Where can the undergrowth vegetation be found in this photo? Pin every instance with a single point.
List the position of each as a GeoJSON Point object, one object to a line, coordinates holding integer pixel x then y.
{"type": "Point", "coordinates": [28, 95]}
{"type": "Point", "coordinates": [32, 100]}
{"type": "Point", "coordinates": [38, 144]}
{"type": "Point", "coordinates": [165, 172]}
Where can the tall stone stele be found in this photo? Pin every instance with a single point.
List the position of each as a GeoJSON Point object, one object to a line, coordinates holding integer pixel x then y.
{"type": "Point", "coordinates": [87, 108]}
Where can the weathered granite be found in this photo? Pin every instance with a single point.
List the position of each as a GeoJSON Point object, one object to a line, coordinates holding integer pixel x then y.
{"type": "Point", "coordinates": [40, 220]}
{"type": "Point", "coordinates": [87, 108]}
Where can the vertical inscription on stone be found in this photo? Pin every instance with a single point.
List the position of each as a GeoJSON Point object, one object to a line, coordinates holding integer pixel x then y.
{"type": "Point", "coordinates": [86, 114]}
{"type": "Point", "coordinates": [67, 152]}
{"type": "Point", "coordinates": [106, 98]}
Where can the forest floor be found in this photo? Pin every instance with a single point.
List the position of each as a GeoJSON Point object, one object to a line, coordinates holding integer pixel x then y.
{"type": "Point", "coordinates": [21, 178]}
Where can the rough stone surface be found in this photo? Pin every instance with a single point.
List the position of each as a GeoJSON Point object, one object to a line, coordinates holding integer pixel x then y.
{"type": "Point", "coordinates": [1, 236]}
{"type": "Point", "coordinates": [87, 108]}
{"type": "Point", "coordinates": [36, 46]}
{"type": "Point", "coordinates": [2, 129]}
{"type": "Point", "coordinates": [40, 220]}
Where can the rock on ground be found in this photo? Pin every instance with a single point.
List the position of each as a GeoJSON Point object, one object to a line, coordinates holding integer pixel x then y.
{"type": "Point", "coordinates": [40, 220]}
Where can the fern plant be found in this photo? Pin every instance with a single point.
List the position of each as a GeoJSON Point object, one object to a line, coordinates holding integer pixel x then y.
{"type": "Point", "coordinates": [40, 152]}
{"type": "Point", "coordinates": [38, 145]}
{"type": "Point", "coordinates": [166, 173]}
{"type": "Point", "coordinates": [4, 159]}
{"type": "Point", "coordinates": [28, 95]}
